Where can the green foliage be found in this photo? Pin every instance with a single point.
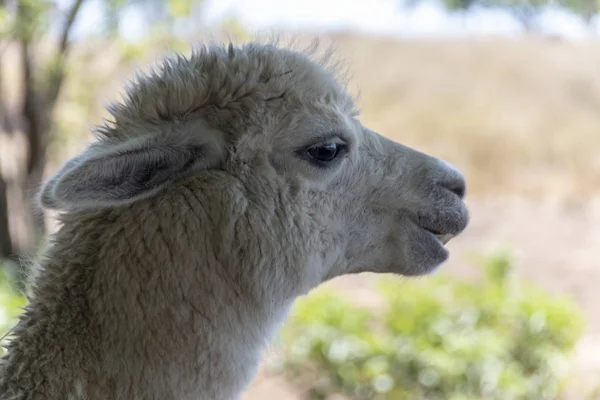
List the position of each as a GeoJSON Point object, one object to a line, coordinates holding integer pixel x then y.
{"type": "Point", "coordinates": [180, 8]}
{"type": "Point", "coordinates": [436, 338]}
{"type": "Point", "coordinates": [11, 303]}
{"type": "Point", "coordinates": [33, 18]}
{"type": "Point", "coordinates": [5, 23]}
{"type": "Point", "coordinates": [523, 10]}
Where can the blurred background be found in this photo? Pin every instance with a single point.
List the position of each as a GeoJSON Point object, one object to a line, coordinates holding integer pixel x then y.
{"type": "Point", "coordinates": [507, 90]}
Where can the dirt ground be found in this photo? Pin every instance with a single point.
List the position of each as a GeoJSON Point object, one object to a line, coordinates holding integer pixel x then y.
{"type": "Point", "coordinates": [556, 246]}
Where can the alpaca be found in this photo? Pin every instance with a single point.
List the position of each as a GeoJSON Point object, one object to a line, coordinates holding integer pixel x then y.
{"type": "Point", "coordinates": [226, 184]}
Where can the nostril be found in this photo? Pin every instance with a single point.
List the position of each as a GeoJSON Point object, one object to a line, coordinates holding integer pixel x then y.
{"type": "Point", "coordinates": [452, 179]}
{"type": "Point", "coordinates": [456, 185]}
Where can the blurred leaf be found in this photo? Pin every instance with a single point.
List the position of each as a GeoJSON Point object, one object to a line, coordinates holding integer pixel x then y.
{"type": "Point", "coordinates": [6, 23]}
{"type": "Point", "coordinates": [33, 18]}
{"type": "Point", "coordinates": [435, 339]}
{"type": "Point", "coordinates": [11, 304]}
{"type": "Point", "coordinates": [180, 8]}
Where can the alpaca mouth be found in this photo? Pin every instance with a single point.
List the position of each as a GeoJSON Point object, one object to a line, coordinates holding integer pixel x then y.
{"type": "Point", "coordinates": [444, 238]}
{"type": "Point", "coordinates": [448, 226]}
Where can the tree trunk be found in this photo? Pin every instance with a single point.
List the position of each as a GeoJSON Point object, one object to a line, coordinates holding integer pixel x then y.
{"type": "Point", "coordinates": [38, 105]}
{"type": "Point", "coordinates": [35, 126]}
{"type": "Point", "coordinates": [6, 245]}
{"type": "Point", "coordinates": [6, 249]}
{"type": "Point", "coordinates": [589, 9]}
{"type": "Point", "coordinates": [33, 120]}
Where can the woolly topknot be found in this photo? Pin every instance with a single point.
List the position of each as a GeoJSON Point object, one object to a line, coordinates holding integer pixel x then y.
{"type": "Point", "coordinates": [221, 77]}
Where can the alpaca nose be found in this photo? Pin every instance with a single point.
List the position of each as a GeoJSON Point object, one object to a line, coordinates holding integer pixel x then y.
{"type": "Point", "coordinates": [454, 181]}
{"type": "Point", "coordinates": [457, 185]}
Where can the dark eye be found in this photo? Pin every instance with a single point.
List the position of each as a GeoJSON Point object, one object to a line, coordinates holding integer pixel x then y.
{"type": "Point", "coordinates": [324, 152]}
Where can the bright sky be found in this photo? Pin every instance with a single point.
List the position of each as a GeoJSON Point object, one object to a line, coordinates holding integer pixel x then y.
{"type": "Point", "coordinates": [381, 17]}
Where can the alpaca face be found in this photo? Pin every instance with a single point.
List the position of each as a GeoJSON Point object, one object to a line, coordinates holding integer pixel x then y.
{"type": "Point", "coordinates": [401, 207]}
{"type": "Point", "coordinates": [392, 207]}
{"type": "Point", "coordinates": [382, 206]}
{"type": "Point", "coordinates": [285, 127]}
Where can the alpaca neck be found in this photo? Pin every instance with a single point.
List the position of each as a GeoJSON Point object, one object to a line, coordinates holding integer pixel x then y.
{"type": "Point", "coordinates": [124, 310]}
{"type": "Point", "coordinates": [217, 358]}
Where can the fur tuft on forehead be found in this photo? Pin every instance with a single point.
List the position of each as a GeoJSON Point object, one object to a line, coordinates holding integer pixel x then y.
{"type": "Point", "coordinates": [221, 77]}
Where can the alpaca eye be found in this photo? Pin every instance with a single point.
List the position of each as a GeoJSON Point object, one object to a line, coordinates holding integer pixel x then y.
{"type": "Point", "coordinates": [324, 152]}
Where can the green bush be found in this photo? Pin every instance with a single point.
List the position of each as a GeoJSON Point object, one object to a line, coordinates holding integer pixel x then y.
{"type": "Point", "coordinates": [11, 303]}
{"type": "Point", "coordinates": [436, 338]}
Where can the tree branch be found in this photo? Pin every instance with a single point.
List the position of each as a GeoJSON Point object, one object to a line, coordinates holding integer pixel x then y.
{"type": "Point", "coordinates": [57, 77]}
{"type": "Point", "coordinates": [71, 16]}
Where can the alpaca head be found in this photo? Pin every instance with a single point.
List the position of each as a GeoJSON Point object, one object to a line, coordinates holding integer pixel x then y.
{"type": "Point", "coordinates": [278, 122]}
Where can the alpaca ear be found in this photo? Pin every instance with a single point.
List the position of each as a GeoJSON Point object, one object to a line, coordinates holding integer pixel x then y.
{"type": "Point", "coordinates": [108, 175]}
